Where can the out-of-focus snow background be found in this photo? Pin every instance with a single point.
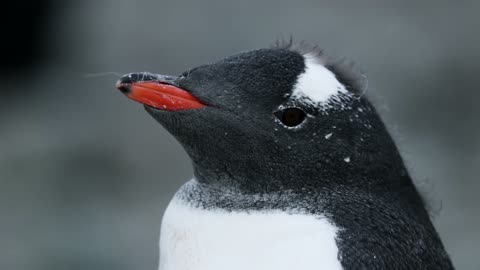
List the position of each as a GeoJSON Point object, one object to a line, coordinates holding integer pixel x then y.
{"type": "Point", "coordinates": [85, 174]}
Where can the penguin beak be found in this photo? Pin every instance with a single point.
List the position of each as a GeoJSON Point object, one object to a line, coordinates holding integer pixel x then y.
{"type": "Point", "coordinates": [157, 91]}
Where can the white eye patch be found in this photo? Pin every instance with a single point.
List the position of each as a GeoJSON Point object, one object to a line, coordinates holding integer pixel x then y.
{"type": "Point", "coordinates": [317, 84]}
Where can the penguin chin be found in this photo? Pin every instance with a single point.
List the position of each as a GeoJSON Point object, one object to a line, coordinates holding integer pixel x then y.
{"type": "Point", "coordinates": [186, 126]}
{"type": "Point", "coordinates": [170, 120]}
{"type": "Point", "coordinates": [168, 117]}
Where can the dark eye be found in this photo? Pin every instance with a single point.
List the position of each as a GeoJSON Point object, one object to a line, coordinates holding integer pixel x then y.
{"type": "Point", "coordinates": [291, 117]}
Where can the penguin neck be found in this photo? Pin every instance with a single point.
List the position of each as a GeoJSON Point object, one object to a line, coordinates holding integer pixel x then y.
{"type": "Point", "coordinates": [314, 200]}
{"type": "Point", "coordinates": [208, 196]}
{"type": "Point", "coordinates": [372, 177]}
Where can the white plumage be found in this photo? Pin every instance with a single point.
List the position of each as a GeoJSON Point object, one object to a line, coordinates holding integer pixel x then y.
{"type": "Point", "coordinates": [317, 83]}
{"type": "Point", "coordinates": [212, 239]}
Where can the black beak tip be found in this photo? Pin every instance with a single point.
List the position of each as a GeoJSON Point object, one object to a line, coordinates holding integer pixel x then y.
{"type": "Point", "coordinates": [124, 85]}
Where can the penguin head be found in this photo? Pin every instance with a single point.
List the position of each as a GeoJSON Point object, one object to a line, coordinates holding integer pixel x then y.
{"type": "Point", "coordinates": [281, 118]}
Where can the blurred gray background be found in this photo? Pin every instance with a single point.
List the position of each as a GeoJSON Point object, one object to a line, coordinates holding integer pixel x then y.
{"type": "Point", "coordinates": [85, 174]}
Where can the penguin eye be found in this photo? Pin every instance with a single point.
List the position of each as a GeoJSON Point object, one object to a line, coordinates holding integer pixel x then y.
{"type": "Point", "coordinates": [290, 117]}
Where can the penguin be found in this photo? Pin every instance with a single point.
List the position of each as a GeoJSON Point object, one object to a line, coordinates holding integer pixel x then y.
{"type": "Point", "coordinates": [293, 168]}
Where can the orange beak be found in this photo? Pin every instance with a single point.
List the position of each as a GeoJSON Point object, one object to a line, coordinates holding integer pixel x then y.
{"type": "Point", "coordinates": [159, 95]}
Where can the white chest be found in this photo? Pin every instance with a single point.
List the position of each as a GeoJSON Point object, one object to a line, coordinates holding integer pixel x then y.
{"type": "Point", "coordinates": [198, 239]}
